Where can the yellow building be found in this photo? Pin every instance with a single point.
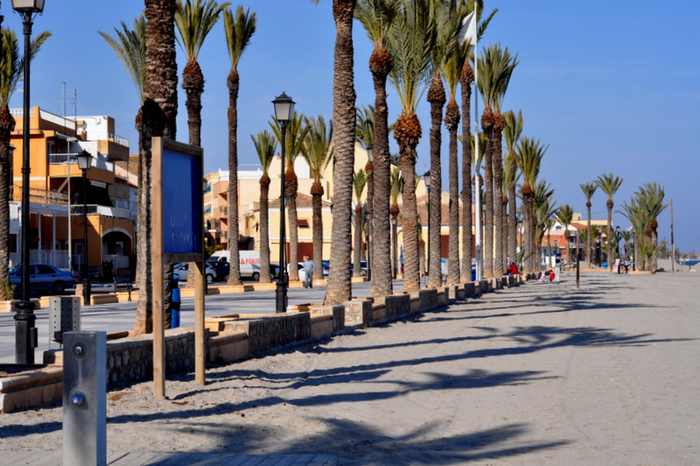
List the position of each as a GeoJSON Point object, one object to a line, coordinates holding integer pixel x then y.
{"type": "Point", "coordinates": [56, 192]}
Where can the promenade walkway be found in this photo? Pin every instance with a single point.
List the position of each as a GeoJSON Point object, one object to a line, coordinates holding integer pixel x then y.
{"type": "Point", "coordinates": [538, 374]}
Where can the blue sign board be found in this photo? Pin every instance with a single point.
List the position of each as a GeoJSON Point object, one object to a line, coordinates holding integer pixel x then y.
{"type": "Point", "coordinates": [182, 203]}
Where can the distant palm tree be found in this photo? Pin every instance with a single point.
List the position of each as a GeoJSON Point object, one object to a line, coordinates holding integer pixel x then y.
{"type": "Point", "coordinates": [339, 287]}
{"type": "Point", "coordinates": [496, 68]}
{"type": "Point", "coordinates": [159, 118]}
{"type": "Point", "coordinates": [395, 190]}
{"type": "Point", "coordinates": [239, 29]}
{"type": "Point", "coordinates": [565, 216]}
{"type": "Point", "coordinates": [609, 184]}
{"type": "Point", "coordinates": [545, 212]}
{"type": "Point", "coordinates": [194, 20]}
{"type": "Point", "coordinates": [294, 140]}
{"type": "Point", "coordinates": [411, 40]}
{"type": "Point", "coordinates": [640, 222]}
{"type": "Point", "coordinates": [376, 17]}
{"type": "Point", "coordinates": [529, 157]}
{"type": "Point", "coordinates": [11, 71]}
{"type": "Point", "coordinates": [651, 200]}
{"type": "Point", "coordinates": [588, 189]}
{"type": "Point", "coordinates": [265, 146]}
{"type": "Point", "coordinates": [318, 152]}
{"type": "Point", "coordinates": [359, 183]}
{"type": "Point", "coordinates": [511, 133]}
{"type": "Point", "coordinates": [364, 132]}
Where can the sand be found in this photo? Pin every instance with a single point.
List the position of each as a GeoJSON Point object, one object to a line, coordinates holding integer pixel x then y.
{"type": "Point", "coordinates": [538, 374]}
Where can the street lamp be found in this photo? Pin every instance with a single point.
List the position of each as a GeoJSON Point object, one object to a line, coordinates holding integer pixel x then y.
{"type": "Point", "coordinates": [370, 211]}
{"type": "Point", "coordinates": [284, 111]}
{"type": "Point", "coordinates": [426, 180]}
{"type": "Point", "coordinates": [84, 161]}
{"type": "Point", "coordinates": [25, 330]}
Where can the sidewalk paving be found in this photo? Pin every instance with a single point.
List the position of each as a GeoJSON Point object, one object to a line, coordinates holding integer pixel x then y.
{"type": "Point", "coordinates": [538, 374]}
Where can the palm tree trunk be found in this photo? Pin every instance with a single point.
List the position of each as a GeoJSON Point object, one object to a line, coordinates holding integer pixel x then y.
{"type": "Point", "coordinates": [500, 235]}
{"type": "Point", "coordinates": [265, 229]}
{"type": "Point", "coordinates": [466, 78]}
{"type": "Point", "coordinates": [7, 125]}
{"type": "Point", "coordinates": [409, 223]}
{"type": "Point", "coordinates": [159, 118]}
{"type": "Point", "coordinates": [452, 124]}
{"type": "Point", "coordinates": [193, 84]}
{"type": "Point", "coordinates": [436, 97]}
{"type": "Point", "coordinates": [339, 287]}
{"type": "Point", "coordinates": [380, 65]}
{"type": "Point", "coordinates": [488, 206]}
{"type": "Point", "coordinates": [513, 221]}
{"type": "Point", "coordinates": [232, 240]}
{"type": "Point", "coordinates": [317, 226]}
{"type": "Point", "coordinates": [291, 188]}
{"type": "Point", "coordinates": [357, 249]}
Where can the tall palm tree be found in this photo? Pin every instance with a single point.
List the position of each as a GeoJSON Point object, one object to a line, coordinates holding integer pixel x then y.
{"type": "Point", "coordinates": [511, 133]}
{"type": "Point", "coordinates": [529, 157]}
{"type": "Point", "coordinates": [295, 135]}
{"type": "Point", "coordinates": [239, 29]}
{"type": "Point", "coordinates": [466, 80]}
{"type": "Point", "coordinates": [359, 182]}
{"type": "Point", "coordinates": [265, 146]}
{"type": "Point", "coordinates": [411, 40]}
{"type": "Point", "coordinates": [376, 17]}
{"type": "Point", "coordinates": [318, 152]}
{"type": "Point", "coordinates": [496, 67]}
{"type": "Point", "coordinates": [159, 118]}
{"type": "Point", "coordinates": [640, 222]}
{"type": "Point", "coordinates": [451, 72]}
{"type": "Point", "coordinates": [609, 184]}
{"type": "Point", "coordinates": [339, 287]}
{"type": "Point", "coordinates": [396, 188]}
{"type": "Point", "coordinates": [11, 71]}
{"type": "Point", "coordinates": [194, 20]}
{"type": "Point", "coordinates": [588, 188]}
{"type": "Point", "coordinates": [565, 216]}
{"type": "Point", "coordinates": [364, 132]}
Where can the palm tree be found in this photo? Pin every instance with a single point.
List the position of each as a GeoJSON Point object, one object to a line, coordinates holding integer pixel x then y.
{"type": "Point", "coordinates": [651, 200]}
{"type": "Point", "coordinates": [529, 157]}
{"type": "Point", "coordinates": [496, 66]}
{"type": "Point", "coordinates": [194, 21]}
{"type": "Point", "coordinates": [466, 79]}
{"type": "Point", "coordinates": [396, 188]}
{"type": "Point", "coordinates": [565, 216]}
{"type": "Point", "coordinates": [318, 153]}
{"type": "Point", "coordinates": [130, 47]}
{"type": "Point", "coordinates": [265, 146]}
{"type": "Point", "coordinates": [11, 71]}
{"type": "Point", "coordinates": [239, 30]}
{"type": "Point", "coordinates": [412, 38]}
{"type": "Point", "coordinates": [511, 133]}
{"type": "Point", "coordinates": [364, 132]}
{"type": "Point", "coordinates": [588, 189]}
{"type": "Point", "coordinates": [359, 183]}
{"type": "Point", "coordinates": [609, 184]}
{"type": "Point", "coordinates": [159, 118]}
{"type": "Point", "coordinates": [295, 135]}
{"type": "Point", "coordinates": [376, 17]}
{"type": "Point", "coordinates": [339, 287]}
{"type": "Point", "coordinates": [545, 212]}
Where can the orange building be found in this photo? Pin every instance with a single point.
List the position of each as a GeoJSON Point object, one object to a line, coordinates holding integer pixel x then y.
{"type": "Point", "coordinates": [56, 193]}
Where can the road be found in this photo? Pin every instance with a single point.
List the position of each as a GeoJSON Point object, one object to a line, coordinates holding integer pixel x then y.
{"type": "Point", "coordinates": [121, 316]}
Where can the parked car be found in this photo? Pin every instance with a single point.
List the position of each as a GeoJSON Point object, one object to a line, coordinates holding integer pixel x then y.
{"type": "Point", "coordinates": [180, 270]}
{"type": "Point", "coordinates": [43, 278]}
{"type": "Point", "coordinates": [222, 269]}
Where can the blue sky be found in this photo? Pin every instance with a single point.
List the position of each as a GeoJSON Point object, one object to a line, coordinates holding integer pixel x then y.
{"type": "Point", "coordinates": [611, 86]}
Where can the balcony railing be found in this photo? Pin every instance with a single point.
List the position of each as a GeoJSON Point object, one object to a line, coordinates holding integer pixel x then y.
{"type": "Point", "coordinates": [39, 196]}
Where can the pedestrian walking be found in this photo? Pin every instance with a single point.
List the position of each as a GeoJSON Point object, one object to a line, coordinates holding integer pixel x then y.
{"type": "Point", "coordinates": [309, 268]}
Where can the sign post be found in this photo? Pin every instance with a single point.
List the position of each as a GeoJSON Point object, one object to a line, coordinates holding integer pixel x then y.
{"type": "Point", "coordinates": [178, 236]}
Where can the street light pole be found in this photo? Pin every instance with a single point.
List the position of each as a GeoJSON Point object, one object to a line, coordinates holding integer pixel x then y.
{"type": "Point", "coordinates": [25, 330]}
{"type": "Point", "coordinates": [284, 111]}
{"type": "Point", "coordinates": [84, 159]}
{"type": "Point", "coordinates": [426, 180]}
{"type": "Point", "coordinates": [370, 211]}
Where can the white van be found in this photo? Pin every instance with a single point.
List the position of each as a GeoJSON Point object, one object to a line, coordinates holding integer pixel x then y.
{"type": "Point", "coordinates": [249, 262]}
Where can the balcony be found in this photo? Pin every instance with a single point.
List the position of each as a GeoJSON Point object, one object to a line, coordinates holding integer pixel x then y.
{"type": "Point", "coordinates": [39, 196]}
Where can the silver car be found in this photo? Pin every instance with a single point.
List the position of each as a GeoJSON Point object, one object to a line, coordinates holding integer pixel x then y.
{"type": "Point", "coordinates": [42, 278]}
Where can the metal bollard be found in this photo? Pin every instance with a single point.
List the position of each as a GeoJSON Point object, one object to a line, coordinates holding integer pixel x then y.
{"type": "Point", "coordinates": [85, 398]}
{"type": "Point", "coordinates": [175, 302]}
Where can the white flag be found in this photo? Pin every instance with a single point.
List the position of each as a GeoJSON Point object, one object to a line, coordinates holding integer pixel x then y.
{"type": "Point", "coordinates": [467, 30]}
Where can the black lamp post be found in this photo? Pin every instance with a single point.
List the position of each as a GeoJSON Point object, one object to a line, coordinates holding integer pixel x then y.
{"type": "Point", "coordinates": [25, 330]}
{"type": "Point", "coordinates": [84, 161]}
{"type": "Point", "coordinates": [368, 214]}
{"type": "Point", "coordinates": [284, 111]}
{"type": "Point", "coordinates": [426, 180]}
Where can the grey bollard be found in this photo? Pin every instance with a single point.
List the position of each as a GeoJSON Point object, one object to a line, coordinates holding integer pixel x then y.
{"type": "Point", "coordinates": [85, 398]}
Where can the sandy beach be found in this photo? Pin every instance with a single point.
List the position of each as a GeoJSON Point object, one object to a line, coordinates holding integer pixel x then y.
{"type": "Point", "coordinates": [539, 374]}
